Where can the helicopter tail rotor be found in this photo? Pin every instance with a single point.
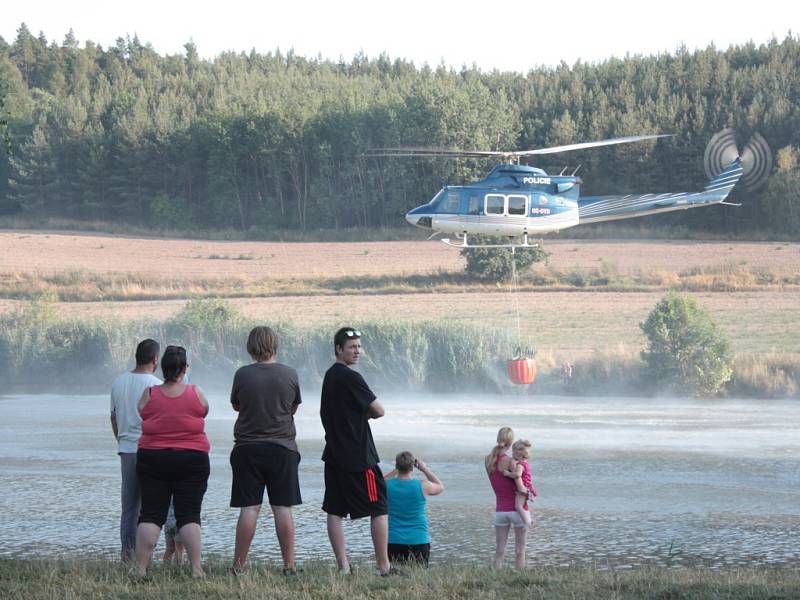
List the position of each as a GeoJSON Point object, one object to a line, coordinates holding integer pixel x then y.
{"type": "Point", "coordinates": [756, 158]}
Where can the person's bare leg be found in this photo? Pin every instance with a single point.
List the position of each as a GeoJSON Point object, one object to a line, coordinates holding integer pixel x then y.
{"type": "Point", "coordinates": [245, 530]}
{"type": "Point", "coordinates": [501, 539]}
{"type": "Point", "coordinates": [146, 538]}
{"type": "Point", "coordinates": [519, 503]}
{"type": "Point", "coordinates": [336, 536]}
{"type": "Point", "coordinates": [520, 540]}
{"type": "Point", "coordinates": [169, 551]}
{"type": "Point", "coordinates": [379, 528]}
{"type": "Point", "coordinates": [192, 540]}
{"type": "Point", "coordinates": [284, 529]}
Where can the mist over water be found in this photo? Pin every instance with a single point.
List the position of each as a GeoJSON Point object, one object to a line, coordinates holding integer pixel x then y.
{"type": "Point", "coordinates": [621, 481]}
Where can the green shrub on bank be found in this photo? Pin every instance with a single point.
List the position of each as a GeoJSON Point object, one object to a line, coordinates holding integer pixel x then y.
{"type": "Point", "coordinates": [686, 352]}
{"type": "Point", "coordinates": [498, 264]}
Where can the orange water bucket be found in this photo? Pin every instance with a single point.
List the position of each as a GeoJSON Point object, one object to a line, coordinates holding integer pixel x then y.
{"type": "Point", "coordinates": [521, 371]}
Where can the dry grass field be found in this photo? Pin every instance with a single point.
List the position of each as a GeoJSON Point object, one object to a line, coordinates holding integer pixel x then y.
{"type": "Point", "coordinates": [567, 323]}
{"type": "Point", "coordinates": [53, 252]}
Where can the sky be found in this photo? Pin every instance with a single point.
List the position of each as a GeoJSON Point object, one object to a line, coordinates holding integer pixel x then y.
{"type": "Point", "coordinates": [513, 36]}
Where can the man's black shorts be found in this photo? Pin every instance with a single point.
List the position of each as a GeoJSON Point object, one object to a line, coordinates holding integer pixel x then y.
{"type": "Point", "coordinates": [358, 494]}
{"type": "Point", "coordinates": [264, 464]}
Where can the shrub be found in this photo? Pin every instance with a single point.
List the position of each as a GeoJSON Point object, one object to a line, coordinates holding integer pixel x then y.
{"type": "Point", "coordinates": [496, 264]}
{"type": "Point", "coordinates": [169, 213]}
{"type": "Point", "coordinates": [686, 352]}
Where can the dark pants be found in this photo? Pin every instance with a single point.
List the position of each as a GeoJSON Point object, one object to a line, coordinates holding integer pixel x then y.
{"type": "Point", "coordinates": [131, 504]}
{"type": "Point", "coordinates": [178, 474]}
{"type": "Point", "coordinates": [410, 553]}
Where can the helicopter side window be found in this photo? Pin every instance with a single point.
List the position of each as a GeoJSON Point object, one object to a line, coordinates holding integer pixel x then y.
{"type": "Point", "coordinates": [518, 205]}
{"type": "Point", "coordinates": [495, 204]}
{"type": "Point", "coordinates": [452, 204]}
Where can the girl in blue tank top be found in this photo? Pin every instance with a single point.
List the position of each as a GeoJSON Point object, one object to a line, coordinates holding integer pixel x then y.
{"type": "Point", "coordinates": [409, 539]}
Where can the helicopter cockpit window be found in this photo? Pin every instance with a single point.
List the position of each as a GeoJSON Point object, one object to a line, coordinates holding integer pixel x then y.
{"type": "Point", "coordinates": [452, 204]}
{"type": "Point", "coordinates": [517, 205]}
{"type": "Point", "coordinates": [495, 204]}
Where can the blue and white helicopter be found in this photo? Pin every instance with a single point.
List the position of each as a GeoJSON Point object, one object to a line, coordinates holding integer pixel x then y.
{"type": "Point", "coordinates": [517, 201]}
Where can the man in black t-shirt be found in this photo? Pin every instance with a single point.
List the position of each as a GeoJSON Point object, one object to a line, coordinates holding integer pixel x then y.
{"type": "Point", "coordinates": [354, 483]}
{"type": "Point", "coordinates": [266, 395]}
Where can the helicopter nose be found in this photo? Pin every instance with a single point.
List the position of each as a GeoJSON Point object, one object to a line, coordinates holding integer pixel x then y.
{"type": "Point", "coordinates": [419, 220]}
{"type": "Point", "coordinates": [420, 217]}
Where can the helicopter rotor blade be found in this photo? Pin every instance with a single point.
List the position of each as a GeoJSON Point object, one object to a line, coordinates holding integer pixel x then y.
{"type": "Point", "coordinates": [582, 145]}
{"type": "Point", "coordinates": [510, 155]}
{"type": "Point", "coordinates": [445, 152]}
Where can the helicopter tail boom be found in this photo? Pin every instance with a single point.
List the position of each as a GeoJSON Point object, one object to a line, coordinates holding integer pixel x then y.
{"type": "Point", "coordinates": [594, 209]}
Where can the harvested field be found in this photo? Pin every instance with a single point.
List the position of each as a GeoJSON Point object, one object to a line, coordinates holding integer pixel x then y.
{"type": "Point", "coordinates": [53, 252]}
{"type": "Point", "coordinates": [567, 323]}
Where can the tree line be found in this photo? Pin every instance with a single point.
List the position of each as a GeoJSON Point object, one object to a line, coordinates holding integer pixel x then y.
{"type": "Point", "coordinates": [262, 142]}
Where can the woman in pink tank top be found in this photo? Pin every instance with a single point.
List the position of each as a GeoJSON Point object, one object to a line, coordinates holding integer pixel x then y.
{"type": "Point", "coordinates": [172, 460]}
{"type": "Point", "coordinates": [505, 491]}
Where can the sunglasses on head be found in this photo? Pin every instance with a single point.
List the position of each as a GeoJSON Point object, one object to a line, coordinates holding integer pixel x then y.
{"type": "Point", "coordinates": [352, 333]}
{"type": "Point", "coordinates": [175, 349]}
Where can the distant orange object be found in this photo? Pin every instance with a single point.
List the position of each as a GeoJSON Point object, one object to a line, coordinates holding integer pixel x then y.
{"type": "Point", "coordinates": [521, 371]}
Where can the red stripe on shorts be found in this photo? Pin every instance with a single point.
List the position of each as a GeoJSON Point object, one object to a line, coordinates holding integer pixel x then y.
{"type": "Point", "coordinates": [372, 489]}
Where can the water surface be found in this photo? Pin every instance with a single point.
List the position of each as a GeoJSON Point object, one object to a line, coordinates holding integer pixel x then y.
{"type": "Point", "coordinates": [621, 481]}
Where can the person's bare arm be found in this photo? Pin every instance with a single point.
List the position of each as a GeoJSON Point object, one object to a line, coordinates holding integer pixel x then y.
{"type": "Point", "coordinates": [202, 397]}
{"type": "Point", "coordinates": [512, 470]}
{"type": "Point", "coordinates": [375, 410]}
{"type": "Point", "coordinates": [390, 475]}
{"type": "Point", "coordinates": [143, 400]}
{"type": "Point", "coordinates": [433, 486]}
{"type": "Point", "coordinates": [114, 427]}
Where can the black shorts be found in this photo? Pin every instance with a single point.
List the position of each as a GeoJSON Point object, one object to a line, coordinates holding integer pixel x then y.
{"type": "Point", "coordinates": [358, 494]}
{"type": "Point", "coordinates": [410, 553]}
{"type": "Point", "coordinates": [264, 464]}
{"type": "Point", "coordinates": [178, 474]}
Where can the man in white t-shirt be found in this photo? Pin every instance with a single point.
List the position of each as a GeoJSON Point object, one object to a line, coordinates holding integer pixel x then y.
{"type": "Point", "coordinates": [127, 427]}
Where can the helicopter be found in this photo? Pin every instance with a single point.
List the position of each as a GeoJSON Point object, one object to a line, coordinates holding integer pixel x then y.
{"type": "Point", "coordinates": [517, 201]}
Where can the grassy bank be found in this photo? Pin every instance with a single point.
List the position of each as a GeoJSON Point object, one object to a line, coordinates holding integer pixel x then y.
{"type": "Point", "coordinates": [98, 579]}
{"type": "Point", "coordinates": [80, 285]}
{"type": "Point", "coordinates": [40, 348]}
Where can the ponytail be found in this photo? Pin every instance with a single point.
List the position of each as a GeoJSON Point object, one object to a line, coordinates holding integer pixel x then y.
{"type": "Point", "coordinates": [504, 438]}
{"type": "Point", "coordinates": [493, 456]}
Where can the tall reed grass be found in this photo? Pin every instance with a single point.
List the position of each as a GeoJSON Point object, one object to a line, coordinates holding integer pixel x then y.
{"type": "Point", "coordinates": [38, 346]}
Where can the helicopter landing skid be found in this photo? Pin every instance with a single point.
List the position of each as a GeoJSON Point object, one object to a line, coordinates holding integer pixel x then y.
{"type": "Point", "coordinates": [463, 243]}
